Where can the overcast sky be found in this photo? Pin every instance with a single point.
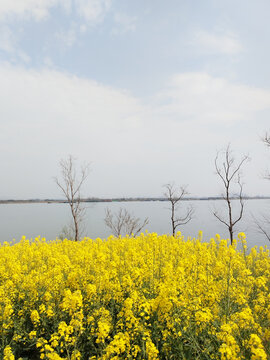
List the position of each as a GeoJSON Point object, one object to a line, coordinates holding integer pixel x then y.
{"type": "Point", "coordinates": [146, 91]}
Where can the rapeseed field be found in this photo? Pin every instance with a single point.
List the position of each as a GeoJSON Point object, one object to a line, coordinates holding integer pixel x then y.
{"type": "Point", "coordinates": [146, 297]}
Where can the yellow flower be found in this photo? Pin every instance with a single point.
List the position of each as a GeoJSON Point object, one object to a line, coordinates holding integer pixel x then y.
{"type": "Point", "coordinates": [32, 334]}
{"type": "Point", "coordinates": [124, 294]}
{"type": "Point", "coordinates": [242, 236]}
{"type": "Point", "coordinates": [35, 317]}
{"type": "Point", "coordinates": [8, 354]}
{"type": "Point", "coordinates": [256, 348]}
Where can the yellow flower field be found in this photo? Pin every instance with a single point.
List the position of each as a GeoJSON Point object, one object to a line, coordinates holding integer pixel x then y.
{"type": "Point", "coordinates": [149, 297]}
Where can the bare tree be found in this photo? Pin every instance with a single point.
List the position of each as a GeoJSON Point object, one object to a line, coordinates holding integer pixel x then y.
{"type": "Point", "coordinates": [230, 172]}
{"type": "Point", "coordinates": [71, 184]}
{"type": "Point", "coordinates": [263, 224]}
{"type": "Point", "coordinates": [175, 197]}
{"type": "Point", "coordinates": [123, 222]}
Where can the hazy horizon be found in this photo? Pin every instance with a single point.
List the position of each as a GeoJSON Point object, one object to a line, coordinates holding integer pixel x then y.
{"type": "Point", "coordinates": [140, 198]}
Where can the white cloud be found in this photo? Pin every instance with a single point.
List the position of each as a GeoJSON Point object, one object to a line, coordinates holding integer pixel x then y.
{"type": "Point", "coordinates": [208, 99]}
{"type": "Point", "coordinates": [37, 9]}
{"type": "Point", "coordinates": [134, 147]}
{"type": "Point", "coordinates": [91, 10]}
{"type": "Point", "coordinates": [83, 28]}
{"type": "Point", "coordinates": [23, 56]}
{"type": "Point", "coordinates": [7, 39]}
{"type": "Point", "coordinates": [48, 62]}
{"type": "Point", "coordinates": [55, 105]}
{"type": "Point", "coordinates": [9, 45]}
{"type": "Point", "coordinates": [217, 43]}
{"type": "Point", "coordinates": [124, 23]}
{"type": "Point", "coordinates": [68, 38]}
{"type": "Point", "coordinates": [57, 114]}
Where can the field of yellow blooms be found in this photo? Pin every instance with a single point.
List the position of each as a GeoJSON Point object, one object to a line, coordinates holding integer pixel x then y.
{"type": "Point", "coordinates": [148, 297]}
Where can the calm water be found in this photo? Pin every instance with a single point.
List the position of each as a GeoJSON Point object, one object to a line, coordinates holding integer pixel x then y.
{"type": "Point", "coordinates": [47, 220]}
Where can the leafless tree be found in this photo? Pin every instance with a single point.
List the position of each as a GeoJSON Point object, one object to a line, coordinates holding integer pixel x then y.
{"type": "Point", "coordinates": [123, 223]}
{"type": "Point", "coordinates": [67, 232]}
{"type": "Point", "coordinates": [71, 184]}
{"type": "Point", "coordinates": [230, 172]}
{"type": "Point", "coordinates": [175, 197]}
{"type": "Point", "coordinates": [263, 224]}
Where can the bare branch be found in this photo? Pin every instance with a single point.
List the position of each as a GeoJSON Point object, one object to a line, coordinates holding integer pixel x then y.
{"type": "Point", "coordinates": [215, 213]}
{"type": "Point", "coordinates": [237, 169]}
{"type": "Point", "coordinates": [241, 202]}
{"type": "Point", "coordinates": [71, 184]}
{"type": "Point", "coordinates": [186, 218]}
{"type": "Point", "coordinates": [123, 223]}
{"type": "Point", "coordinates": [228, 172]}
{"type": "Point", "coordinates": [262, 228]}
{"type": "Point", "coordinates": [218, 170]}
{"type": "Point", "coordinates": [264, 223]}
{"type": "Point", "coordinates": [175, 196]}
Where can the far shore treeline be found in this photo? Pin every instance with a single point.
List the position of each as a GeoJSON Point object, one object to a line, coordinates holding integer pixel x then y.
{"type": "Point", "coordinates": [125, 199]}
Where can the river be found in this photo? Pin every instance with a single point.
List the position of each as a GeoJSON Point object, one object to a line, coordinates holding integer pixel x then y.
{"type": "Point", "coordinates": [47, 220]}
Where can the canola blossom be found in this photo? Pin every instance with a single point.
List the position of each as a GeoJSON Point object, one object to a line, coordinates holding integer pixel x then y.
{"type": "Point", "coordinates": [147, 297]}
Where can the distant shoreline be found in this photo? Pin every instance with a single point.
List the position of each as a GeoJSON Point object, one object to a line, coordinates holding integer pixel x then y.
{"type": "Point", "coordinates": [97, 200]}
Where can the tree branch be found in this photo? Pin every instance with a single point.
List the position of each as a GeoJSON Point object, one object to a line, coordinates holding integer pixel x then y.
{"type": "Point", "coordinates": [71, 188]}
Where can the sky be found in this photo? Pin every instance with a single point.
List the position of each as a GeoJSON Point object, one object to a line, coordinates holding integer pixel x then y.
{"type": "Point", "coordinates": [145, 91]}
